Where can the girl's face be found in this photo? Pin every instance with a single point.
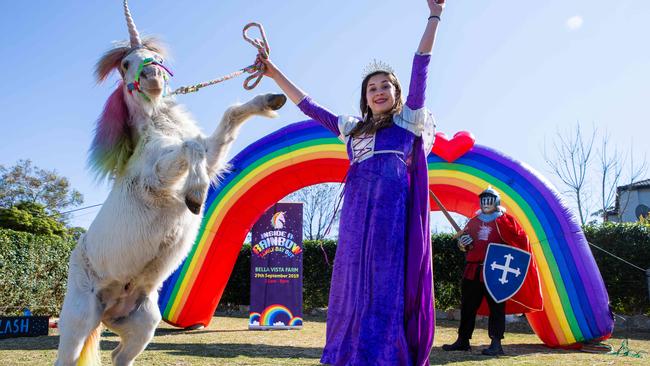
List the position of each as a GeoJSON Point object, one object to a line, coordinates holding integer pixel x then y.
{"type": "Point", "coordinates": [380, 94]}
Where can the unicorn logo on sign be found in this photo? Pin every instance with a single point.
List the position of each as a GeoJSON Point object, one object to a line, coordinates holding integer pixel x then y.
{"type": "Point", "coordinates": [278, 220]}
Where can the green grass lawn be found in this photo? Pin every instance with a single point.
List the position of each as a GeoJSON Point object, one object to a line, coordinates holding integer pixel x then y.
{"type": "Point", "coordinates": [227, 341]}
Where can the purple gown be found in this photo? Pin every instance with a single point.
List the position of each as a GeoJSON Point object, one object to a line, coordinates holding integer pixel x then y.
{"type": "Point", "coordinates": [380, 309]}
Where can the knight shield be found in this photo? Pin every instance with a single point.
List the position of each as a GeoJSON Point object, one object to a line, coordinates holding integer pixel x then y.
{"type": "Point", "coordinates": [504, 270]}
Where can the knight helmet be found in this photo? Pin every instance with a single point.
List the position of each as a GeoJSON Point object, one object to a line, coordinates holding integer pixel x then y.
{"type": "Point", "coordinates": [490, 197]}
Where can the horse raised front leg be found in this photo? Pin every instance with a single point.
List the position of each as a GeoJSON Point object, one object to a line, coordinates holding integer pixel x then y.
{"type": "Point", "coordinates": [177, 161]}
{"type": "Point", "coordinates": [197, 182]}
{"type": "Point", "coordinates": [221, 140]}
{"type": "Point", "coordinates": [171, 166]}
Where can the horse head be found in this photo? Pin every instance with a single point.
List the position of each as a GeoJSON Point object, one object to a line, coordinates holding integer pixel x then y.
{"type": "Point", "coordinates": [139, 62]}
{"type": "Point", "coordinates": [144, 83]}
{"type": "Point", "coordinates": [144, 74]}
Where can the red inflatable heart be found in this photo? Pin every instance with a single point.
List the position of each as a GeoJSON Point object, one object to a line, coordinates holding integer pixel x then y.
{"type": "Point", "coordinates": [453, 149]}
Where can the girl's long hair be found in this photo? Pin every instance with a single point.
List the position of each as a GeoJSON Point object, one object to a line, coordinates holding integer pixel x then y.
{"type": "Point", "coordinates": [371, 124]}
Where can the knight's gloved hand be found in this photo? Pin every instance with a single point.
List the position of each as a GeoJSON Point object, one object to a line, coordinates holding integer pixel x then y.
{"type": "Point", "coordinates": [461, 247]}
{"type": "Point", "coordinates": [465, 240]}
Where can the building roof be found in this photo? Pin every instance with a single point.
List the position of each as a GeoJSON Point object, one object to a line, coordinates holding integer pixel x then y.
{"type": "Point", "coordinates": [629, 187]}
{"type": "Point", "coordinates": [636, 185]}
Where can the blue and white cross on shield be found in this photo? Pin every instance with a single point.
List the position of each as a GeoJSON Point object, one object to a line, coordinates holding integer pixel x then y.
{"type": "Point", "coordinates": [504, 270]}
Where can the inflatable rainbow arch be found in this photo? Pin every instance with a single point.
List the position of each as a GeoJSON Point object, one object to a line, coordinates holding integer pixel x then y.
{"type": "Point", "coordinates": [576, 305]}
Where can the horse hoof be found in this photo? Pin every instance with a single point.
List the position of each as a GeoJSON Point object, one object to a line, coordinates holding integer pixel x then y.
{"type": "Point", "coordinates": [193, 206]}
{"type": "Point", "coordinates": [275, 101]}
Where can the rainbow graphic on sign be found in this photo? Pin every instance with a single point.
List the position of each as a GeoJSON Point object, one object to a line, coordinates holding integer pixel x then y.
{"type": "Point", "coordinates": [576, 305]}
{"type": "Point", "coordinates": [274, 316]}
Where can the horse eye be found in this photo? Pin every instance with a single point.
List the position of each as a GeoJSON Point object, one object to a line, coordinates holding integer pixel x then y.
{"type": "Point", "coordinates": [125, 65]}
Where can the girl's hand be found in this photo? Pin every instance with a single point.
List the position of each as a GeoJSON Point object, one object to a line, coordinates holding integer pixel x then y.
{"type": "Point", "coordinates": [436, 6]}
{"type": "Point", "coordinates": [290, 89]}
{"type": "Point", "coordinates": [270, 70]}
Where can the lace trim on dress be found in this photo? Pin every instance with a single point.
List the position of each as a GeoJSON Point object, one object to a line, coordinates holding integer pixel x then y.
{"type": "Point", "coordinates": [362, 147]}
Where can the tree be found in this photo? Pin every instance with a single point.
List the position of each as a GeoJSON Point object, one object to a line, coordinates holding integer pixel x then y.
{"type": "Point", "coordinates": [76, 232]}
{"type": "Point", "coordinates": [570, 163]}
{"type": "Point", "coordinates": [636, 171]}
{"type": "Point", "coordinates": [25, 183]}
{"type": "Point", "coordinates": [611, 168]}
{"type": "Point", "coordinates": [319, 206]}
{"type": "Point", "coordinates": [612, 164]}
{"type": "Point", "coordinates": [31, 217]}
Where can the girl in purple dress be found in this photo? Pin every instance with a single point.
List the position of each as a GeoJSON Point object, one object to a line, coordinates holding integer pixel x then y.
{"type": "Point", "coordinates": [380, 308]}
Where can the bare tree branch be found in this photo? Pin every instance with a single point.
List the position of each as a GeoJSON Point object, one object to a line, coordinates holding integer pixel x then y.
{"type": "Point", "coordinates": [319, 203]}
{"type": "Point", "coordinates": [570, 161]}
{"type": "Point", "coordinates": [635, 172]}
{"type": "Point", "coordinates": [611, 168]}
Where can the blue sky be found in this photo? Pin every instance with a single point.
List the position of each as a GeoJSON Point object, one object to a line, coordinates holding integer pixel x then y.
{"type": "Point", "coordinates": [512, 72]}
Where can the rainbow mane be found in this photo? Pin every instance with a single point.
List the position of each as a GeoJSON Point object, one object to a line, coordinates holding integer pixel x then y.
{"type": "Point", "coordinates": [112, 145]}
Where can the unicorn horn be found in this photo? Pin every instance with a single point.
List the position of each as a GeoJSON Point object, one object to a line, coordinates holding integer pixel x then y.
{"type": "Point", "coordinates": [133, 32]}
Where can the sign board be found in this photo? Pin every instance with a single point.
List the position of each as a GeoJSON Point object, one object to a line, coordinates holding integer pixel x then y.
{"type": "Point", "coordinates": [276, 269]}
{"type": "Point", "coordinates": [23, 326]}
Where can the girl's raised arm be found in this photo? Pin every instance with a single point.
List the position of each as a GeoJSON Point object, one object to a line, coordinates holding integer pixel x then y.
{"type": "Point", "coordinates": [417, 87]}
{"type": "Point", "coordinates": [298, 97]}
{"type": "Point", "coordinates": [429, 36]}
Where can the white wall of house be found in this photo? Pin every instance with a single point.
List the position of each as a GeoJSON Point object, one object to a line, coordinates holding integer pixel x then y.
{"type": "Point", "coordinates": [630, 200]}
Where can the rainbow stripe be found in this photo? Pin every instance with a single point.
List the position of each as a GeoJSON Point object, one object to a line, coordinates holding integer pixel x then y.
{"type": "Point", "coordinates": [302, 154]}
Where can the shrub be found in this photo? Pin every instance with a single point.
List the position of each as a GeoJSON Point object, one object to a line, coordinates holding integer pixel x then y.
{"type": "Point", "coordinates": [33, 272]}
{"type": "Point", "coordinates": [448, 265]}
{"type": "Point", "coordinates": [317, 272]}
{"type": "Point", "coordinates": [627, 286]}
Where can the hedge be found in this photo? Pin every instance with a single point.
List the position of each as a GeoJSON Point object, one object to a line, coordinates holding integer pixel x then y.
{"type": "Point", "coordinates": [317, 270]}
{"type": "Point", "coordinates": [627, 286]}
{"type": "Point", "coordinates": [448, 265]}
{"type": "Point", "coordinates": [33, 270]}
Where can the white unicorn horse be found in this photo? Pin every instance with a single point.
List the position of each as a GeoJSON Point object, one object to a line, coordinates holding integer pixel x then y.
{"type": "Point", "coordinates": [161, 166]}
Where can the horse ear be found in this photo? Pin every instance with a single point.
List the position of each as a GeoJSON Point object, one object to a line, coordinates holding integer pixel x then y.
{"type": "Point", "coordinates": [112, 145]}
{"type": "Point", "coordinates": [110, 61]}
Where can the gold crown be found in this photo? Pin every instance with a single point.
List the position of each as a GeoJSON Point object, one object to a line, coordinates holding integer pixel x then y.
{"type": "Point", "coordinates": [375, 66]}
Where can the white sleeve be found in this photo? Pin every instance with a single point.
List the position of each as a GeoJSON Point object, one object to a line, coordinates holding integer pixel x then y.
{"type": "Point", "coordinates": [346, 124]}
{"type": "Point", "coordinates": [420, 122]}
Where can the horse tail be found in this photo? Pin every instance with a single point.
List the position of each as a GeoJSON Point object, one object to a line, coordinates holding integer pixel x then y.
{"type": "Point", "coordinates": [90, 355]}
